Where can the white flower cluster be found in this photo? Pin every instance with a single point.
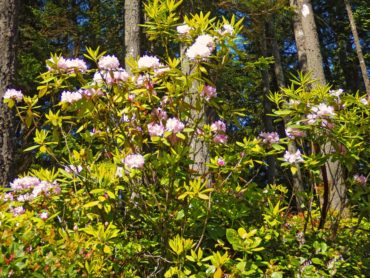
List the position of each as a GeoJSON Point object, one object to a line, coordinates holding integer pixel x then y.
{"type": "Point", "coordinates": [202, 47]}
{"type": "Point", "coordinates": [111, 77]}
{"type": "Point", "coordinates": [293, 157]}
{"type": "Point", "coordinates": [134, 161]}
{"type": "Point", "coordinates": [336, 93]}
{"type": "Point", "coordinates": [13, 94]}
{"type": "Point", "coordinates": [108, 62]}
{"type": "Point", "coordinates": [146, 62]}
{"type": "Point", "coordinates": [71, 97]}
{"type": "Point", "coordinates": [183, 29]}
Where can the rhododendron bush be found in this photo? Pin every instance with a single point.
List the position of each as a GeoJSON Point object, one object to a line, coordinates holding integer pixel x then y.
{"type": "Point", "coordinates": [118, 195]}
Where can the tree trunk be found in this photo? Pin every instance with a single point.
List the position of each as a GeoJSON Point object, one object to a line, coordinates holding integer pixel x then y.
{"type": "Point", "coordinates": [198, 148]}
{"type": "Point", "coordinates": [267, 108]}
{"type": "Point", "coordinates": [8, 34]}
{"type": "Point", "coordinates": [335, 177]}
{"type": "Point", "coordinates": [360, 56]}
{"type": "Point", "coordinates": [132, 29]}
{"type": "Point", "coordinates": [280, 80]}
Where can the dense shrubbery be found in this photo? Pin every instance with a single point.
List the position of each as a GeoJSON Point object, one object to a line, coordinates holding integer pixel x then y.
{"type": "Point", "coordinates": [119, 196]}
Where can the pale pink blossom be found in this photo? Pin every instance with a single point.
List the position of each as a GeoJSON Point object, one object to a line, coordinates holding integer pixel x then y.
{"type": "Point", "coordinates": [88, 93]}
{"type": "Point", "coordinates": [293, 102]}
{"type": "Point", "coordinates": [44, 215]}
{"type": "Point", "coordinates": [146, 62]}
{"type": "Point", "coordinates": [71, 97]}
{"type": "Point", "coordinates": [293, 133]}
{"type": "Point", "coordinates": [206, 40]}
{"type": "Point", "coordinates": [8, 197]}
{"type": "Point", "coordinates": [75, 64]}
{"type": "Point", "coordinates": [218, 126]}
{"type": "Point", "coordinates": [155, 129]}
{"type": "Point", "coordinates": [364, 101]}
{"type": "Point", "coordinates": [25, 197]}
{"type": "Point", "coordinates": [108, 62]}
{"type": "Point", "coordinates": [119, 172]}
{"type": "Point", "coordinates": [24, 183]}
{"type": "Point", "coordinates": [17, 211]}
{"type": "Point", "coordinates": [134, 161]}
{"type": "Point", "coordinates": [161, 70]}
{"type": "Point", "coordinates": [183, 29]}
{"type": "Point", "coordinates": [220, 162]}
{"type": "Point", "coordinates": [208, 92]}
{"type": "Point", "coordinates": [174, 125]}
{"type": "Point", "coordinates": [73, 169]}
{"type": "Point", "coordinates": [220, 138]}
{"type": "Point", "coordinates": [293, 157]}
{"type": "Point", "coordinates": [360, 179]}
{"type": "Point", "coordinates": [131, 97]}
{"type": "Point", "coordinates": [159, 113]}
{"type": "Point", "coordinates": [269, 137]}
{"type": "Point", "coordinates": [336, 93]}
{"type": "Point", "coordinates": [322, 110]}
{"type": "Point", "coordinates": [198, 51]}
{"type": "Point", "coordinates": [13, 94]}
{"type": "Point", "coordinates": [227, 29]}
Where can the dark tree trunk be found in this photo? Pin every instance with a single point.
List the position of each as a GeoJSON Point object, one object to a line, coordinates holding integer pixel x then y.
{"type": "Point", "coordinates": [8, 34]}
{"type": "Point", "coordinates": [267, 108]}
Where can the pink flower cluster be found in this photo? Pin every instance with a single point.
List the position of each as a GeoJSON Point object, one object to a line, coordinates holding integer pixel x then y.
{"type": "Point", "coordinates": [108, 62]}
{"type": "Point", "coordinates": [269, 137]}
{"type": "Point", "coordinates": [134, 161]}
{"type": "Point", "coordinates": [174, 125]}
{"type": "Point", "coordinates": [202, 47]}
{"type": "Point", "coordinates": [219, 129]}
{"type": "Point", "coordinates": [360, 179]}
{"type": "Point", "coordinates": [28, 188]}
{"type": "Point", "coordinates": [67, 65]}
{"type": "Point", "coordinates": [293, 157]}
{"type": "Point", "coordinates": [208, 92]}
{"type": "Point", "coordinates": [155, 129]}
{"type": "Point", "coordinates": [13, 94]}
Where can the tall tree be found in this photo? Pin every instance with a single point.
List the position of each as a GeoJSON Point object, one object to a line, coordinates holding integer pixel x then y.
{"type": "Point", "coordinates": [8, 34]}
{"type": "Point", "coordinates": [311, 61]}
{"type": "Point", "coordinates": [358, 47]}
{"type": "Point", "coordinates": [280, 80]}
{"type": "Point", "coordinates": [132, 29]}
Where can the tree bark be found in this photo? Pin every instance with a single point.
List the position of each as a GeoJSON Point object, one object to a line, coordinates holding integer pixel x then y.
{"type": "Point", "coordinates": [8, 34]}
{"type": "Point", "coordinates": [360, 56]}
{"type": "Point", "coordinates": [198, 148]}
{"type": "Point", "coordinates": [132, 29]}
{"type": "Point", "coordinates": [267, 107]}
{"type": "Point", "coordinates": [307, 38]}
{"type": "Point", "coordinates": [280, 80]}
